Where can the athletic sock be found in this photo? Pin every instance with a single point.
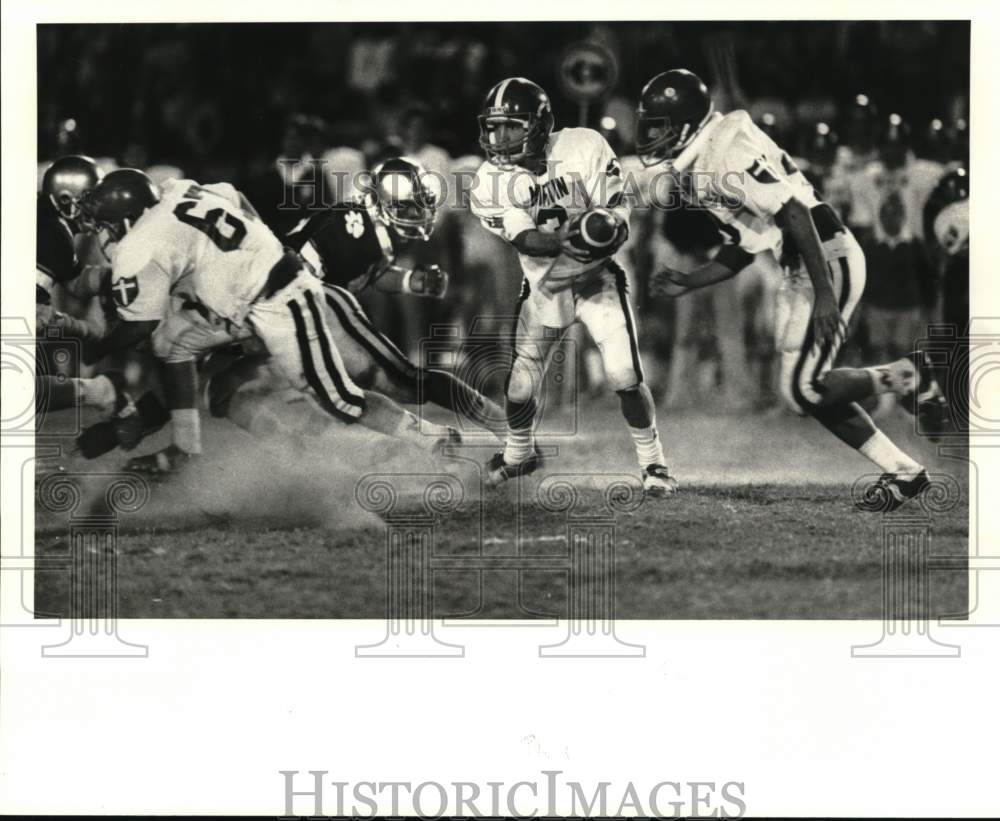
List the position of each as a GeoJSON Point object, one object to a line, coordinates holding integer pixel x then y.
{"type": "Point", "coordinates": [187, 429]}
{"type": "Point", "coordinates": [648, 449]}
{"type": "Point", "coordinates": [520, 442]}
{"type": "Point", "coordinates": [883, 452]}
{"type": "Point", "coordinates": [519, 446]}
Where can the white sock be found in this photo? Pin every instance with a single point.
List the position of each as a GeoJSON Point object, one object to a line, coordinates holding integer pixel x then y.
{"type": "Point", "coordinates": [647, 446]}
{"type": "Point", "coordinates": [519, 446]}
{"type": "Point", "coordinates": [881, 450]}
{"type": "Point", "coordinates": [187, 429]}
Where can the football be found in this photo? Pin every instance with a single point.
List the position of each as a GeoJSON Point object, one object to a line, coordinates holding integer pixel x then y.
{"type": "Point", "coordinates": [597, 230]}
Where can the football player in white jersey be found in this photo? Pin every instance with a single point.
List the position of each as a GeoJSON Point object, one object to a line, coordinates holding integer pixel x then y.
{"type": "Point", "coordinates": [194, 268]}
{"type": "Point", "coordinates": [537, 190]}
{"type": "Point", "coordinates": [763, 203]}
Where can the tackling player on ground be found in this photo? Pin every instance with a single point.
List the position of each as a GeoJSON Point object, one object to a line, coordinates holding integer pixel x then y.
{"type": "Point", "coordinates": [539, 190]}
{"type": "Point", "coordinates": [194, 268]}
{"type": "Point", "coordinates": [353, 246]}
{"type": "Point", "coordinates": [727, 165]}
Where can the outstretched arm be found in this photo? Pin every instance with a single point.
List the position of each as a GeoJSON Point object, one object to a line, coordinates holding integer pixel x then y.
{"type": "Point", "coordinates": [671, 283]}
{"type": "Point", "coordinates": [794, 216]}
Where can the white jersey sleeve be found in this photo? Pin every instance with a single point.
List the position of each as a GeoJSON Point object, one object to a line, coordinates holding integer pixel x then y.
{"type": "Point", "coordinates": [225, 190]}
{"type": "Point", "coordinates": [762, 187]}
{"type": "Point", "coordinates": [140, 286]}
{"type": "Point", "coordinates": [502, 200]}
{"type": "Point", "coordinates": [606, 186]}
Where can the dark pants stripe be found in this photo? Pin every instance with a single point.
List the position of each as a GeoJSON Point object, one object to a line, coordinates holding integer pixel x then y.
{"type": "Point", "coordinates": [525, 293]}
{"type": "Point", "coordinates": [390, 364]}
{"type": "Point", "coordinates": [308, 367]}
{"type": "Point", "coordinates": [827, 351]}
{"type": "Point", "coordinates": [390, 354]}
{"type": "Point", "coordinates": [621, 283]}
{"type": "Point", "coordinates": [346, 394]}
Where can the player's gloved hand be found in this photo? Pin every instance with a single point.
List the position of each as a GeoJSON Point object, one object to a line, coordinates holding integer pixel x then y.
{"type": "Point", "coordinates": [427, 280]}
{"type": "Point", "coordinates": [667, 283]}
{"type": "Point", "coordinates": [828, 324]}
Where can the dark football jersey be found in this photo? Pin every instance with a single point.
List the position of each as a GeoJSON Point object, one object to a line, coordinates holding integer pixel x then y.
{"type": "Point", "coordinates": [55, 256]}
{"type": "Point", "coordinates": [343, 243]}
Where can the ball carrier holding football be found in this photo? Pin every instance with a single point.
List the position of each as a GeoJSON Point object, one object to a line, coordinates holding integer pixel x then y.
{"type": "Point", "coordinates": [763, 203]}
{"type": "Point", "coordinates": [557, 197]}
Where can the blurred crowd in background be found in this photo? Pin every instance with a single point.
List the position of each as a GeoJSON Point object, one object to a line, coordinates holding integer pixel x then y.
{"type": "Point", "coordinates": [873, 112]}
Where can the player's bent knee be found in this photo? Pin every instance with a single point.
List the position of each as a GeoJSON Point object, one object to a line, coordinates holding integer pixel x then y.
{"type": "Point", "coordinates": [522, 384]}
{"type": "Point", "coordinates": [623, 379]}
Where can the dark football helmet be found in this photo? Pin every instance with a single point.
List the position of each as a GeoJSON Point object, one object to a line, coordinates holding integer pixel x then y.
{"type": "Point", "coordinates": [406, 197]}
{"type": "Point", "coordinates": [515, 102]}
{"type": "Point", "coordinates": [117, 202]}
{"type": "Point", "coordinates": [946, 214]}
{"type": "Point", "coordinates": [673, 108]}
{"type": "Point", "coordinates": [66, 180]}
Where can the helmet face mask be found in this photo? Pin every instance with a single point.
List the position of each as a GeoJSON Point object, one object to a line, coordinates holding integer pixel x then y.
{"type": "Point", "coordinates": [673, 108]}
{"type": "Point", "coordinates": [406, 198]}
{"type": "Point", "coordinates": [515, 123]}
{"type": "Point", "coordinates": [506, 150]}
{"type": "Point", "coordinates": [67, 180]}
{"type": "Point", "coordinates": [109, 210]}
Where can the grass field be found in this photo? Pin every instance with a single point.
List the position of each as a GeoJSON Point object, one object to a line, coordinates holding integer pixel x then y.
{"type": "Point", "coordinates": [764, 528]}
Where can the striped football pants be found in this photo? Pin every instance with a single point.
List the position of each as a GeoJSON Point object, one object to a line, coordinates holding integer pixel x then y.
{"type": "Point", "coordinates": [803, 363]}
{"type": "Point", "coordinates": [360, 343]}
{"type": "Point", "coordinates": [293, 325]}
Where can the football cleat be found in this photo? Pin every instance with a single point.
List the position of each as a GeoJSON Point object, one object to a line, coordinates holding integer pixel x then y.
{"type": "Point", "coordinates": [169, 461]}
{"type": "Point", "coordinates": [927, 402]}
{"type": "Point", "coordinates": [890, 492]}
{"type": "Point", "coordinates": [657, 482]}
{"type": "Point", "coordinates": [498, 471]}
{"type": "Point", "coordinates": [451, 439]}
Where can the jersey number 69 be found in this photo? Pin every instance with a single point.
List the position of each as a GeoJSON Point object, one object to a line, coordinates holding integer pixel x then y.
{"type": "Point", "coordinates": [209, 223]}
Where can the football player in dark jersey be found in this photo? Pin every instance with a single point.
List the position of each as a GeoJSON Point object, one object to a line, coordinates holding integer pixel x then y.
{"type": "Point", "coordinates": [353, 246]}
{"type": "Point", "coordinates": [57, 223]}
{"type": "Point", "coordinates": [58, 216]}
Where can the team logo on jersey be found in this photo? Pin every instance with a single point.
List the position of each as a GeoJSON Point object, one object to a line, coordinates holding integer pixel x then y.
{"type": "Point", "coordinates": [354, 224]}
{"type": "Point", "coordinates": [125, 290]}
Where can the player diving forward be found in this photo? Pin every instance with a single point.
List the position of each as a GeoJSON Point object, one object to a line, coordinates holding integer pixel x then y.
{"type": "Point", "coordinates": [534, 190]}
{"type": "Point", "coordinates": [194, 268]}
{"type": "Point", "coordinates": [352, 246]}
{"type": "Point", "coordinates": [727, 165]}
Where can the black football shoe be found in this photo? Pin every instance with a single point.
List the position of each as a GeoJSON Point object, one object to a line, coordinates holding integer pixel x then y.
{"type": "Point", "coordinates": [657, 482]}
{"type": "Point", "coordinates": [498, 471]}
{"type": "Point", "coordinates": [890, 492]}
{"type": "Point", "coordinates": [927, 401]}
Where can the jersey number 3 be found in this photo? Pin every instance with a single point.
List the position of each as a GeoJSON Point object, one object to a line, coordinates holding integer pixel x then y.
{"type": "Point", "coordinates": [209, 223]}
